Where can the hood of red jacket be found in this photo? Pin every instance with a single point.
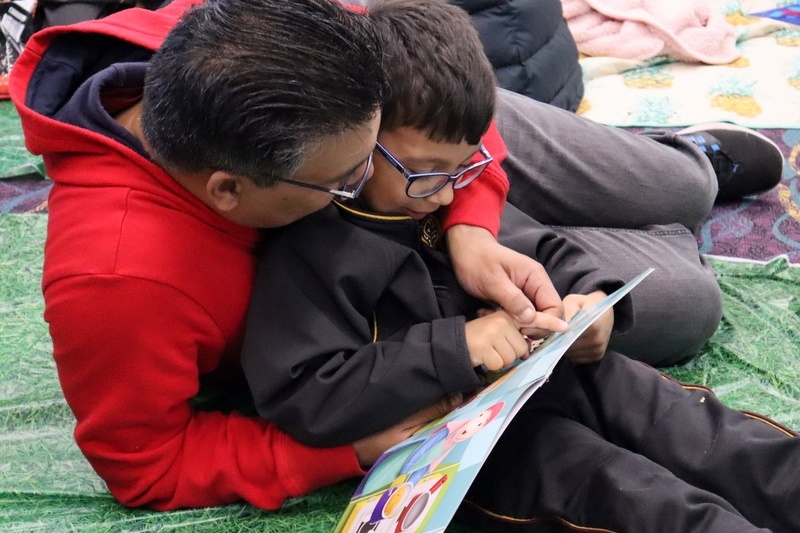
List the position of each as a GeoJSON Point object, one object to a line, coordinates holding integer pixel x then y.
{"type": "Point", "coordinates": [56, 61]}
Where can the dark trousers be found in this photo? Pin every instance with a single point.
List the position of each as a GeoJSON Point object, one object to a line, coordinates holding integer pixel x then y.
{"type": "Point", "coordinates": [616, 446]}
{"type": "Point", "coordinates": [632, 202]}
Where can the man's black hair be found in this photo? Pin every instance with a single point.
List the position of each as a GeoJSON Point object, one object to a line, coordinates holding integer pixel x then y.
{"type": "Point", "coordinates": [249, 86]}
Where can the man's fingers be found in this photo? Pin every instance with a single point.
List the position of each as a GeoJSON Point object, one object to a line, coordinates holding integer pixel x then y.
{"type": "Point", "coordinates": [544, 321]}
{"type": "Point", "coordinates": [543, 325]}
{"type": "Point", "coordinates": [369, 448]}
{"type": "Point", "coordinates": [512, 300]}
{"type": "Point", "coordinates": [540, 290]}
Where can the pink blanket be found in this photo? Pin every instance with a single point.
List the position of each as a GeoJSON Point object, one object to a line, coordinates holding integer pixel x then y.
{"type": "Point", "coordinates": [688, 30]}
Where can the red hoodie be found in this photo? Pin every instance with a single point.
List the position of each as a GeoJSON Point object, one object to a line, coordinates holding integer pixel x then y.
{"type": "Point", "coordinates": [146, 291]}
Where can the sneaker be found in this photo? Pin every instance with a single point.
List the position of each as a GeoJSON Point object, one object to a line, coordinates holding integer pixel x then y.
{"type": "Point", "coordinates": [744, 161]}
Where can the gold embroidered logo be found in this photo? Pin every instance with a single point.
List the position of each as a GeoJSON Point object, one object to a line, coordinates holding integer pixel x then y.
{"type": "Point", "coordinates": [431, 231]}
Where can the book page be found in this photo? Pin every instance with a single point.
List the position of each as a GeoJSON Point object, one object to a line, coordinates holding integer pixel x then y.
{"type": "Point", "coordinates": [417, 485]}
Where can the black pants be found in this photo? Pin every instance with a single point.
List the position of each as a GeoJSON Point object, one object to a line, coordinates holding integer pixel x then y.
{"type": "Point", "coordinates": [616, 446]}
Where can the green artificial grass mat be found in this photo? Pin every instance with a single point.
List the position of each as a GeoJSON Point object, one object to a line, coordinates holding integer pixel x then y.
{"type": "Point", "coordinates": [46, 485]}
{"type": "Point", "coordinates": [15, 160]}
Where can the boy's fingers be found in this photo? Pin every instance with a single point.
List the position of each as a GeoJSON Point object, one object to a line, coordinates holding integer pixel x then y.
{"type": "Point", "coordinates": [570, 308]}
{"type": "Point", "coordinates": [506, 351]}
{"type": "Point", "coordinates": [519, 348]}
{"type": "Point", "coordinates": [493, 361]}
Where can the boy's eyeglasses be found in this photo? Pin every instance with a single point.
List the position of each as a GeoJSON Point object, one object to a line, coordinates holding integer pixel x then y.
{"type": "Point", "coordinates": [422, 184]}
{"type": "Point", "coordinates": [351, 186]}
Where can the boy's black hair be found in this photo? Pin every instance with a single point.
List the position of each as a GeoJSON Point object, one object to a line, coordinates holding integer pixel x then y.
{"type": "Point", "coordinates": [439, 78]}
{"type": "Point", "coordinates": [249, 86]}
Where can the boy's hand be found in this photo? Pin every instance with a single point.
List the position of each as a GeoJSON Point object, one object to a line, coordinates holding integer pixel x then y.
{"type": "Point", "coordinates": [494, 339]}
{"type": "Point", "coordinates": [490, 271]}
{"type": "Point", "coordinates": [369, 448]}
{"type": "Point", "coordinates": [592, 345]}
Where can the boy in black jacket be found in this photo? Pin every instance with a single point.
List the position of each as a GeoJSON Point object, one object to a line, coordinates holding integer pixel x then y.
{"type": "Point", "coordinates": [375, 327]}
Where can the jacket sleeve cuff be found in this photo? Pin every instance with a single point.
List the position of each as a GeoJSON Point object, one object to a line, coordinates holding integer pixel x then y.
{"type": "Point", "coordinates": [304, 469]}
{"type": "Point", "coordinates": [481, 203]}
{"type": "Point", "coordinates": [451, 356]}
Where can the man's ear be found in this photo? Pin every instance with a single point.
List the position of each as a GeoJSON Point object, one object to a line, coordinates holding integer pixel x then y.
{"type": "Point", "coordinates": [223, 190]}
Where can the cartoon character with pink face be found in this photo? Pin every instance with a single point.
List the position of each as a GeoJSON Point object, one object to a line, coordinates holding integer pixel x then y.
{"type": "Point", "coordinates": [394, 497]}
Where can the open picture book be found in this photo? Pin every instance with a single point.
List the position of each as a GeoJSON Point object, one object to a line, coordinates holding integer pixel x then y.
{"type": "Point", "coordinates": [417, 485]}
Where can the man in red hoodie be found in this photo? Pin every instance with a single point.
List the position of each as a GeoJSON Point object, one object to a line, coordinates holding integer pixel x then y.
{"type": "Point", "coordinates": [252, 114]}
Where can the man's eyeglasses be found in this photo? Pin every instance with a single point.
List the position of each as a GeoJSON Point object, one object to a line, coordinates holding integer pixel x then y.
{"type": "Point", "coordinates": [422, 184]}
{"type": "Point", "coordinates": [349, 188]}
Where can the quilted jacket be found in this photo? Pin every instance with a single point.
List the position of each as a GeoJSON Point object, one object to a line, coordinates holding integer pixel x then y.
{"type": "Point", "coordinates": [530, 47]}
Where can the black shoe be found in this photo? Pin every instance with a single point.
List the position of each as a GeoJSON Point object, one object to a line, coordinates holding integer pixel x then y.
{"type": "Point", "coordinates": [745, 161]}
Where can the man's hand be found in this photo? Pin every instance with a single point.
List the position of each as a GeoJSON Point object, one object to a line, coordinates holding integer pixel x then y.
{"type": "Point", "coordinates": [490, 271]}
{"type": "Point", "coordinates": [592, 345]}
{"type": "Point", "coordinates": [369, 448]}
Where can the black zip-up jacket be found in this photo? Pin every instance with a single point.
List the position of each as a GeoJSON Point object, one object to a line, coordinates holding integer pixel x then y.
{"type": "Point", "coordinates": [357, 320]}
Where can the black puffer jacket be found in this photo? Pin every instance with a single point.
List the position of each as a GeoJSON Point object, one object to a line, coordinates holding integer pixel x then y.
{"type": "Point", "coordinates": [530, 47]}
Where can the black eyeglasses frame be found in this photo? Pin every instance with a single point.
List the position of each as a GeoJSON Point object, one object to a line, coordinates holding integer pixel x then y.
{"type": "Point", "coordinates": [340, 192]}
{"type": "Point", "coordinates": [411, 177]}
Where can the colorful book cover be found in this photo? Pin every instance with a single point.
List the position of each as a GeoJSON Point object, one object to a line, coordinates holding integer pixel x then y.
{"type": "Point", "coordinates": [417, 485]}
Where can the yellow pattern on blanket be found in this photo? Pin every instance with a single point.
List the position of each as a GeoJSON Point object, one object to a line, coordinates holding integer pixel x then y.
{"type": "Point", "coordinates": [761, 89]}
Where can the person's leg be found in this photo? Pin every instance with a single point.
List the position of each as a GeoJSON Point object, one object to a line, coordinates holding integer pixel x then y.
{"type": "Point", "coordinates": [677, 308]}
{"type": "Point", "coordinates": [750, 463]}
{"type": "Point", "coordinates": [567, 170]}
{"type": "Point", "coordinates": [549, 473]}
